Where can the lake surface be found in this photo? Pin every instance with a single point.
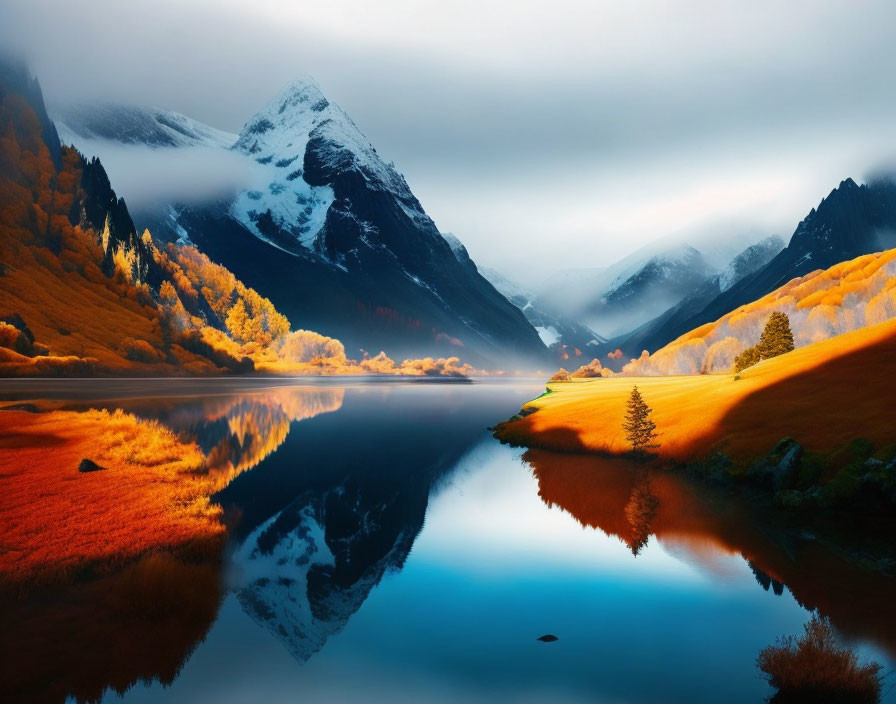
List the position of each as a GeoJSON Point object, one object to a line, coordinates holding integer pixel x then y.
{"type": "Point", "coordinates": [383, 547]}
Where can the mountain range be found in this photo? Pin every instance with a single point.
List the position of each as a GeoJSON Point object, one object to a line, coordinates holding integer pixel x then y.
{"type": "Point", "coordinates": [819, 305]}
{"type": "Point", "coordinates": [562, 334]}
{"type": "Point", "coordinates": [325, 228]}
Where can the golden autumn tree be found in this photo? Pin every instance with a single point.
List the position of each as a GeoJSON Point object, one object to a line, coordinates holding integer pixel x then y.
{"type": "Point", "coordinates": [747, 358]}
{"type": "Point", "coordinates": [237, 320]}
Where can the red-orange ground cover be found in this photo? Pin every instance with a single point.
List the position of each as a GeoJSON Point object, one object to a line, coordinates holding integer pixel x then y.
{"type": "Point", "coordinates": [153, 491]}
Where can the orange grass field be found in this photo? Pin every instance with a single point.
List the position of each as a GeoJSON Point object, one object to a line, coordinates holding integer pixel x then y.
{"type": "Point", "coordinates": [153, 492]}
{"type": "Point", "coordinates": [822, 395]}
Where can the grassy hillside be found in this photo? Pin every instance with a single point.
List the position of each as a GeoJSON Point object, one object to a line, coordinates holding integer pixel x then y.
{"type": "Point", "coordinates": [823, 395]}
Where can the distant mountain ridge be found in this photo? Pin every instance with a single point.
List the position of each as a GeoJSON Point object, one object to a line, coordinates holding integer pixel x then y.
{"type": "Point", "coordinates": [333, 235]}
{"type": "Point", "coordinates": [152, 127]}
{"type": "Point", "coordinates": [822, 304]}
{"type": "Point", "coordinates": [852, 220]}
{"type": "Point", "coordinates": [619, 298]}
{"type": "Point", "coordinates": [655, 333]}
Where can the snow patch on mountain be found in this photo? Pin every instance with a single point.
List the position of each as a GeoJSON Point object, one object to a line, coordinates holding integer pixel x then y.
{"type": "Point", "coordinates": [458, 249]}
{"type": "Point", "coordinates": [509, 289]}
{"type": "Point", "coordinates": [549, 335]}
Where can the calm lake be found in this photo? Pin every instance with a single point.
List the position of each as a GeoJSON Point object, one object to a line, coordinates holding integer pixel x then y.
{"type": "Point", "coordinates": [383, 547]}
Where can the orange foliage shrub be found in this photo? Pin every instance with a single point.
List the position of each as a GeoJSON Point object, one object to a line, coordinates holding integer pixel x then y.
{"type": "Point", "coordinates": [817, 668]}
{"type": "Point", "coordinates": [14, 339]}
{"type": "Point", "coordinates": [451, 366]}
{"type": "Point", "coordinates": [140, 351]}
{"type": "Point", "coordinates": [306, 346]}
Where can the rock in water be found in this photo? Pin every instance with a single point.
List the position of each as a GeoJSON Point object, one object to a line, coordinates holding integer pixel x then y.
{"type": "Point", "coordinates": [548, 638]}
{"type": "Point", "coordinates": [89, 466]}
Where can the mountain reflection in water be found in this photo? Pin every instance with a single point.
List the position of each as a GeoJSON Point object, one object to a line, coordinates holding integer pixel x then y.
{"type": "Point", "coordinates": [325, 490]}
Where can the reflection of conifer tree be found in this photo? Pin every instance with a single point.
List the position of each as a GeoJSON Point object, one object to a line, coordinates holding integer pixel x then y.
{"type": "Point", "coordinates": [639, 512]}
{"type": "Point", "coordinates": [764, 580]}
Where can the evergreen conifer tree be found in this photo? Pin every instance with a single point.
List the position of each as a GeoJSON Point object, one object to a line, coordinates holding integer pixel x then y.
{"type": "Point", "coordinates": [640, 431]}
{"type": "Point", "coordinates": [777, 337]}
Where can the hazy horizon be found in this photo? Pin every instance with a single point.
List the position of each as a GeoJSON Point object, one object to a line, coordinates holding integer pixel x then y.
{"type": "Point", "coordinates": [539, 138]}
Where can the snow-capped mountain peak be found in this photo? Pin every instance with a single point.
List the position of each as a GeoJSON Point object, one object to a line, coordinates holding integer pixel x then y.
{"type": "Point", "coordinates": [287, 120]}
{"type": "Point", "coordinates": [300, 113]}
{"type": "Point", "coordinates": [279, 199]}
{"type": "Point", "coordinates": [307, 204]}
{"type": "Point", "coordinates": [297, 142]}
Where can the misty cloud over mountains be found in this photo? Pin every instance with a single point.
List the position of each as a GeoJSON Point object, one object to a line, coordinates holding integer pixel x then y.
{"type": "Point", "coordinates": [146, 177]}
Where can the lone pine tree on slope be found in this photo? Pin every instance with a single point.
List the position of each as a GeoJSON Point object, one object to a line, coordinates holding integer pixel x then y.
{"type": "Point", "coordinates": [640, 431]}
{"type": "Point", "coordinates": [777, 338]}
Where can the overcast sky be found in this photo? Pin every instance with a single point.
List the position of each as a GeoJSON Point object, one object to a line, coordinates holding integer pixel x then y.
{"type": "Point", "coordinates": [538, 132]}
